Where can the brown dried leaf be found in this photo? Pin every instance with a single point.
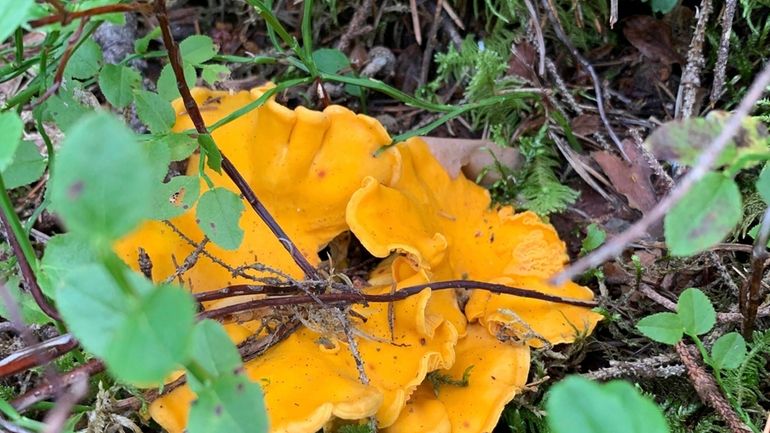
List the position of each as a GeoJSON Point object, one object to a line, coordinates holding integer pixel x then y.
{"type": "Point", "coordinates": [632, 179]}
{"type": "Point", "coordinates": [585, 124]}
{"type": "Point", "coordinates": [652, 38]}
{"type": "Point", "coordinates": [522, 62]}
{"type": "Point", "coordinates": [471, 156]}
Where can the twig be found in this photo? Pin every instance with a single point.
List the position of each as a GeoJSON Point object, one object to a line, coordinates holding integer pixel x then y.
{"type": "Point", "coordinates": [12, 228]}
{"type": "Point", "coordinates": [588, 67]}
{"type": "Point", "coordinates": [427, 54]}
{"type": "Point", "coordinates": [748, 298]}
{"type": "Point", "coordinates": [56, 418]}
{"type": "Point", "coordinates": [415, 21]}
{"type": "Point", "coordinates": [615, 246]}
{"type": "Point", "coordinates": [686, 95]}
{"type": "Point", "coordinates": [660, 366]}
{"type": "Point", "coordinates": [724, 49]}
{"type": "Point", "coordinates": [538, 35]}
{"type": "Point", "coordinates": [59, 77]}
{"type": "Point", "coordinates": [356, 24]}
{"type": "Point", "coordinates": [99, 10]}
{"type": "Point", "coordinates": [189, 261]}
{"type": "Point", "coordinates": [328, 299]}
{"type": "Point", "coordinates": [47, 389]}
{"type": "Point", "coordinates": [200, 125]}
{"type": "Point", "coordinates": [36, 355]}
{"type": "Point", "coordinates": [707, 389]}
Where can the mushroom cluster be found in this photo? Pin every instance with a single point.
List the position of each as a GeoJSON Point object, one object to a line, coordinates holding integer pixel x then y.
{"type": "Point", "coordinates": [438, 361]}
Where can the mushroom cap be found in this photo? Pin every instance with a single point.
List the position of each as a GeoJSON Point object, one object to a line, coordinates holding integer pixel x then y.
{"type": "Point", "coordinates": [303, 165]}
{"type": "Point", "coordinates": [311, 377]}
{"type": "Point", "coordinates": [498, 372]}
{"type": "Point", "coordinates": [448, 227]}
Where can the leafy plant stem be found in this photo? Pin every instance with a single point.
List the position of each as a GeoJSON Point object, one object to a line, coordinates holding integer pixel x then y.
{"type": "Point", "coordinates": [196, 370]}
{"type": "Point", "coordinates": [99, 10]}
{"type": "Point", "coordinates": [200, 126]}
{"type": "Point", "coordinates": [22, 249]}
{"type": "Point", "coordinates": [116, 269]}
{"type": "Point", "coordinates": [307, 36]}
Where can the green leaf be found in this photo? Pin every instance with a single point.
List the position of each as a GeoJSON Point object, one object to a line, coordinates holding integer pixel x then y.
{"type": "Point", "coordinates": [197, 49]}
{"type": "Point", "coordinates": [30, 312]}
{"type": "Point", "coordinates": [13, 13]}
{"type": "Point", "coordinates": [118, 84]}
{"type": "Point", "coordinates": [330, 60]}
{"type": "Point", "coordinates": [231, 404]}
{"type": "Point", "coordinates": [214, 351]}
{"type": "Point", "coordinates": [64, 109]}
{"type": "Point", "coordinates": [85, 61]}
{"type": "Point", "coordinates": [218, 213]}
{"type": "Point", "coordinates": [662, 327]}
{"type": "Point", "coordinates": [93, 306]}
{"type": "Point", "coordinates": [180, 145]}
{"type": "Point", "coordinates": [214, 73]}
{"type": "Point", "coordinates": [154, 111]}
{"type": "Point", "coordinates": [663, 6]}
{"type": "Point", "coordinates": [167, 87]}
{"type": "Point", "coordinates": [211, 152]}
{"type": "Point", "coordinates": [763, 184]}
{"type": "Point", "coordinates": [595, 236]}
{"type": "Point", "coordinates": [708, 213]}
{"type": "Point", "coordinates": [728, 352]}
{"type": "Point", "coordinates": [124, 329]}
{"type": "Point", "coordinates": [141, 44]}
{"type": "Point", "coordinates": [63, 253]}
{"type": "Point", "coordinates": [696, 312]}
{"type": "Point", "coordinates": [102, 181]}
{"type": "Point", "coordinates": [161, 325]}
{"type": "Point", "coordinates": [175, 197]}
{"type": "Point", "coordinates": [27, 166]}
{"type": "Point", "coordinates": [684, 140]}
{"type": "Point", "coordinates": [11, 129]}
{"type": "Point", "coordinates": [577, 405]}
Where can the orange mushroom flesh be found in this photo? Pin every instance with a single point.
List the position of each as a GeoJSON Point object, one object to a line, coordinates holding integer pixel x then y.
{"type": "Point", "coordinates": [316, 173]}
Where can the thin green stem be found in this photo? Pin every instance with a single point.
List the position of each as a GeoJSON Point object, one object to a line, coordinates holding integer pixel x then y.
{"type": "Point", "coordinates": [15, 227]}
{"type": "Point", "coordinates": [307, 36]}
{"type": "Point", "coordinates": [18, 38]}
{"type": "Point", "coordinates": [258, 102]}
{"type": "Point", "coordinates": [117, 270]}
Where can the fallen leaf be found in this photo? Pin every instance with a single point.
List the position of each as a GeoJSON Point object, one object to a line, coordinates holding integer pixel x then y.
{"type": "Point", "coordinates": [472, 156]}
{"type": "Point", "coordinates": [652, 38]}
{"type": "Point", "coordinates": [630, 178]}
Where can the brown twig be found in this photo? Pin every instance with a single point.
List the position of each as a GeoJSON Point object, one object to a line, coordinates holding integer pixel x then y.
{"type": "Point", "coordinates": [330, 299]}
{"type": "Point", "coordinates": [200, 125]}
{"type": "Point", "coordinates": [99, 10]}
{"type": "Point", "coordinates": [57, 417]}
{"type": "Point", "coordinates": [65, 58]}
{"type": "Point", "coordinates": [27, 274]}
{"type": "Point", "coordinates": [686, 96]}
{"type": "Point", "coordinates": [724, 50]}
{"type": "Point", "coordinates": [415, 21]}
{"type": "Point", "coordinates": [749, 298]}
{"type": "Point", "coordinates": [535, 20]}
{"type": "Point", "coordinates": [357, 23]}
{"type": "Point", "coordinates": [36, 355]}
{"type": "Point", "coordinates": [427, 54]}
{"type": "Point", "coordinates": [707, 389]}
{"type": "Point", "coordinates": [47, 389]}
{"type": "Point", "coordinates": [189, 261]}
{"type": "Point", "coordinates": [590, 69]}
{"type": "Point", "coordinates": [615, 245]}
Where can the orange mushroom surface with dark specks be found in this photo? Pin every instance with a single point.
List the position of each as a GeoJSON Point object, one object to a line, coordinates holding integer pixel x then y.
{"type": "Point", "coordinates": [317, 174]}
